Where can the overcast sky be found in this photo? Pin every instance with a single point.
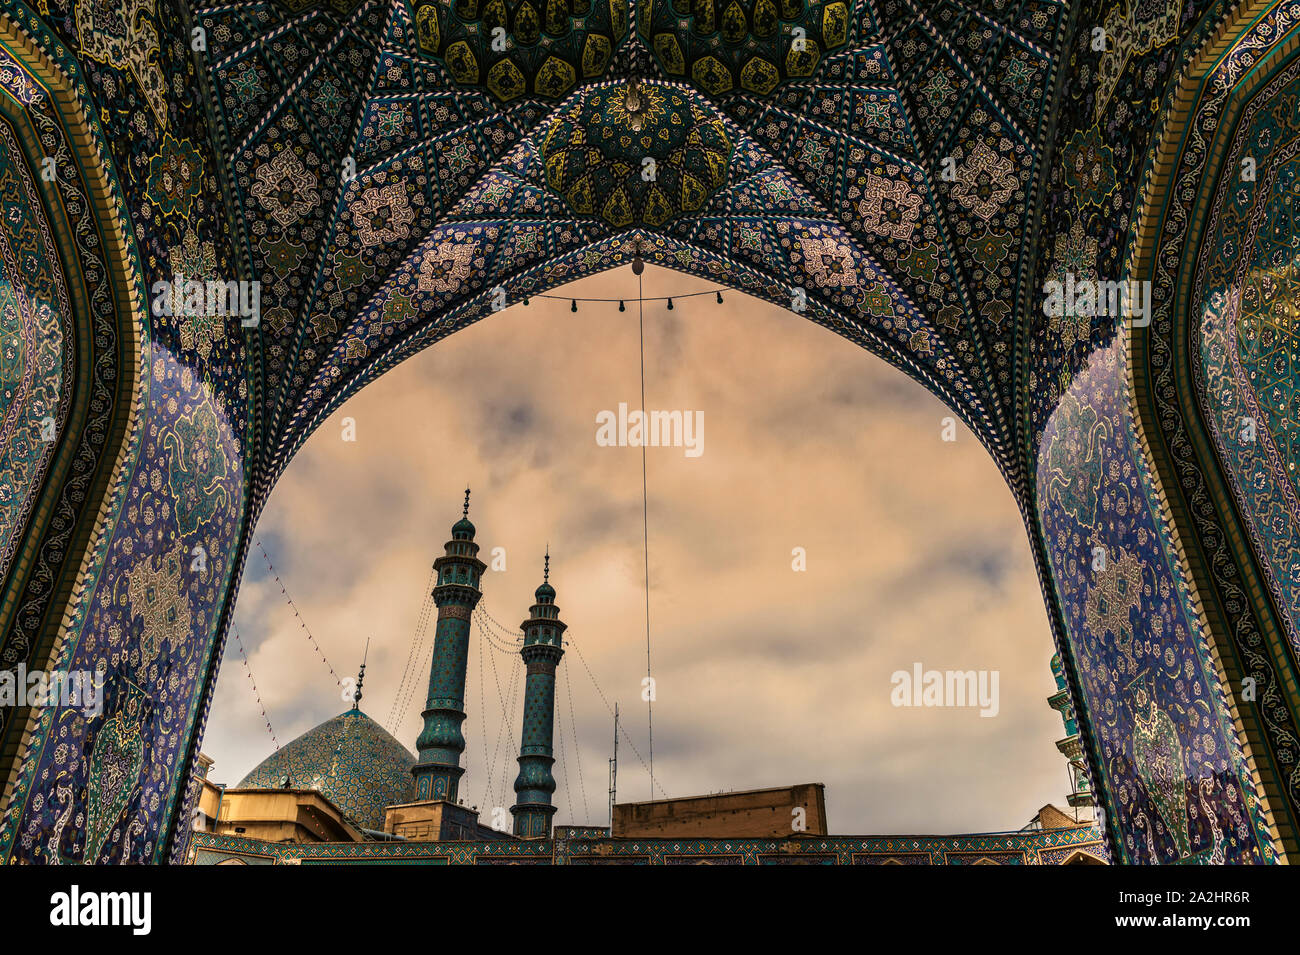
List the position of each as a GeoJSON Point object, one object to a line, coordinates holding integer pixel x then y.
{"type": "Point", "coordinates": [765, 676]}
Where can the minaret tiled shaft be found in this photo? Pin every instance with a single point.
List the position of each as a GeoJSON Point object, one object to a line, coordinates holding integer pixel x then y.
{"type": "Point", "coordinates": [437, 772]}
{"type": "Point", "coordinates": [542, 649]}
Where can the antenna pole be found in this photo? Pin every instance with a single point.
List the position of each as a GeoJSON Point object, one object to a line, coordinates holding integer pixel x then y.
{"type": "Point", "coordinates": [613, 774]}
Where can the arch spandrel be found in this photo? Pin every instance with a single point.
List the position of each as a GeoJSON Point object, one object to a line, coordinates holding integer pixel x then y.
{"type": "Point", "coordinates": [36, 349]}
{"type": "Point", "coordinates": [345, 153]}
{"type": "Point", "coordinates": [924, 151]}
{"type": "Point", "coordinates": [1247, 294]}
{"type": "Point", "coordinates": [1194, 371]}
{"type": "Point", "coordinates": [1186, 788]}
{"type": "Point", "coordinates": [508, 232]}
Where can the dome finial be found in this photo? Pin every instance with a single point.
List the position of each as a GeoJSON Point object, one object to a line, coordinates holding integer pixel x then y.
{"type": "Point", "coordinates": [546, 571]}
{"type": "Point", "coordinates": [361, 677]}
{"type": "Point", "coordinates": [465, 512]}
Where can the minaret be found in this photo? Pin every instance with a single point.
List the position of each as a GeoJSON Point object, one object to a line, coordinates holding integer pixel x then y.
{"type": "Point", "coordinates": [1070, 747]}
{"type": "Point", "coordinates": [541, 651]}
{"type": "Point", "coordinates": [437, 772]}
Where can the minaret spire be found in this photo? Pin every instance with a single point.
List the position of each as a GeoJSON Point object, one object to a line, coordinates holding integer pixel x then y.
{"type": "Point", "coordinates": [437, 772]}
{"type": "Point", "coordinates": [542, 650]}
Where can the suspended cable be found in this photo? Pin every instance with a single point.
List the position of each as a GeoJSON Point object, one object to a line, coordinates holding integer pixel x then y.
{"type": "Point", "coordinates": [427, 607]}
{"type": "Point", "coordinates": [497, 643]}
{"type": "Point", "coordinates": [577, 752]}
{"type": "Point", "coordinates": [501, 637]}
{"type": "Point", "coordinates": [504, 737]}
{"type": "Point", "coordinates": [422, 667]}
{"type": "Point", "coordinates": [654, 298]}
{"type": "Point", "coordinates": [394, 714]}
{"type": "Point", "coordinates": [569, 636]}
{"type": "Point", "coordinates": [645, 530]}
{"type": "Point", "coordinates": [294, 608]}
{"type": "Point", "coordinates": [501, 649]}
{"type": "Point", "coordinates": [564, 772]}
{"type": "Point", "coordinates": [424, 645]}
{"type": "Point", "coordinates": [507, 713]}
{"type": "Point", "coordinates": [492, 753]}
{"type": "Point", "coordinates": [482, 697]}
{"type": "Point", "coordinates": [496, 623]}
{"type": "Point", "coordinates": [258, 696]}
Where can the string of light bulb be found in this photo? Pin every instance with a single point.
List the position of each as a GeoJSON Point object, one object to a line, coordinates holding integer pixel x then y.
{"type": "Point", "coordinates": [622, 302]}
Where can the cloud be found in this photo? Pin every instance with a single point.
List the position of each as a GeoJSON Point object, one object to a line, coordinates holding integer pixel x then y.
{"type": "Point", "coordinates": [765, 676]}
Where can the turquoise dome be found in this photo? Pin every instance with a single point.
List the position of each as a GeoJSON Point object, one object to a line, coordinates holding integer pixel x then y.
{"type": "Point", "coordinates": [351, 760]}
{"type": "Point", "coordinates": [463, 529]}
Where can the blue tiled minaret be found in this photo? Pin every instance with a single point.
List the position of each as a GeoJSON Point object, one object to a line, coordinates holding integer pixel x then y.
{"type": "Point", "coordinates": [437, 772]}
{"type": "Point", "coordinates": [1070, 747]}
{"type": "Point", "coordinates": [541, 651]}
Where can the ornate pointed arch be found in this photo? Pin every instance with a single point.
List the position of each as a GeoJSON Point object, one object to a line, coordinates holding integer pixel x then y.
{"type": "Point", "coordinates": [919, 173]}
